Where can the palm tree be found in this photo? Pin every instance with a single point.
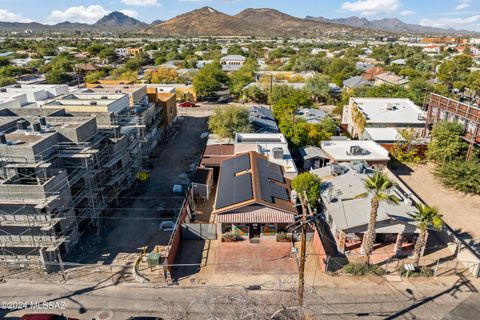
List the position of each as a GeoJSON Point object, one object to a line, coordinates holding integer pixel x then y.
{"type": "Point", "coordinates": [378, 186]}
{"type": "Point", "coordinates": [426, 217]}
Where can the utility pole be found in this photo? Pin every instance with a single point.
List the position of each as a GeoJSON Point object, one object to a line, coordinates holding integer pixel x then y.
{"type": "Point", "coordinates": [303, 249]}
{"type": "Point", "coordinates": [271, 90]}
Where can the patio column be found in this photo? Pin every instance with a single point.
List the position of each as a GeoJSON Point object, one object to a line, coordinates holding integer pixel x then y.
{"type": "Point", "coordinates": [398, 244]}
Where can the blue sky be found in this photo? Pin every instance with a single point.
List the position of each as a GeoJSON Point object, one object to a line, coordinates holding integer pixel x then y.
{"type": "Point", "coordinates": [440, 13]}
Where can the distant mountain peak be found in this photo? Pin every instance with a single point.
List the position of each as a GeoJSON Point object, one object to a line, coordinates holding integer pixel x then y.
{"type": "Point", "coordinates": [119, 20]}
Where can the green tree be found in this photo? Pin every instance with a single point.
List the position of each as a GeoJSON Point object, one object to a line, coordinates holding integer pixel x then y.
{"type": "Point", "coordinates": [5, 81]}
{"type": "Point", "coordinates": [308, 183]}
{"type": "Point", "coordinates": [109, 54]}
{"type": "Point", "coordinates": [94, 76]}
{"type": "Point", "coordinates": [455, 71]}
{"type": "Point", "coordinates": [318, 86]}
{"type": "Point", "coordinates": [227, 121]}
{"type": "Point", "coordinates": [425, 217]}
{"type": "Point", "coordinates": [242, 77]}
{"type": "Point", "coordinates": [55, 76]}
{"type": "Point", "coordinates": [4, 61]}
{"type": "Point", "coordinates": [254, 94]}
{"type": "Point", "coordinates": [473, 82]}
{"type": "Point", "coordinates": [340, 69]}
{"type": "Point", "coordinates": [286, 92]}
{"type": "Point", "coordinates": [460, 175]}
{"type": "Point", "coordinates": [447, 144]}
{"type": "Point", "coordinates": [209, 79]}
{"type": "Point", "coordinates": [379, 188]}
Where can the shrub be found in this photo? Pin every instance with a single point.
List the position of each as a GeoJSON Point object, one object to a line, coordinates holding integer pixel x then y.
{"type": "Point", "coordinates": [360, 269]}
{"type": "Point", "coordinates": [230, 237]}
{"type": "Point", "coordinates": [418, 272]}
{"type": "Point", "coordinates": [284, 237]}
{"type": "Point", "coordinates": [463, 176]}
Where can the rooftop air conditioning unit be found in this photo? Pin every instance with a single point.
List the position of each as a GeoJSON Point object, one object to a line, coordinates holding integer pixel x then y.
{"type": "Point", "coordinates": [389, 106]}
{"type": "Point", "coordinates": [277, 153]}
{"type": "Point", "coordinates": [356, 150]}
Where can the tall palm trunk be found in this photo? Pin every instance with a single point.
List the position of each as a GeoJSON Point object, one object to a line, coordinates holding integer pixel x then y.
{"type": "Point", "coordinates": [420, 245]}
{"type": "Point", "coordinates": [367, 245]}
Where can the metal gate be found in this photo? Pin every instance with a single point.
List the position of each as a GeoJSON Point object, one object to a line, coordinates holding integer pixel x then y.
{"type": "Point", "coordinates": [199, 231]}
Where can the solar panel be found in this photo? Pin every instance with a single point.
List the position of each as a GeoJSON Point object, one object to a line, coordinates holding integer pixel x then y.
{"type": "Point", "coordinates": [278, 191]}
{"type": "Point", "coordinates": [242, 188]}
{"type": "Point", "coordinates": [274, 172]}
{"type": "Point", "coordinates": [234, 189]}
{"type": "Point", "coordinates": [242, 163]}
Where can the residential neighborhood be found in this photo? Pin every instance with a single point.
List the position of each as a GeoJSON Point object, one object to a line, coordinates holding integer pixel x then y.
{"type": "Point", "coordinates": [239, 164]}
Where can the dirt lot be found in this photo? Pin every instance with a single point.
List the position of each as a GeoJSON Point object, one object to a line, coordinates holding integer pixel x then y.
{"type": "Point", "coordinates": [460, 211]}
{"type": "Point", "coordinates": [137, 225]}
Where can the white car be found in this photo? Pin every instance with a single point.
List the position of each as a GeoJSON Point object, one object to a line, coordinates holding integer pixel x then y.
{"type": "Point", "coordinates": [167, 225]}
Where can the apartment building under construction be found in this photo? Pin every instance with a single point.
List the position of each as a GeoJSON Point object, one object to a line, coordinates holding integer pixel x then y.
{"type": "Point", "coordinates": [64, 163]}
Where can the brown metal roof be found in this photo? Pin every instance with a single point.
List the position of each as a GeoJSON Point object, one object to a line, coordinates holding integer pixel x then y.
{"type": "Point", "coordinates": [262, 215]}
{"type": "Point", "coordinates": [219, 150]}
{"type": "Point", "coordinates": [215, 154]}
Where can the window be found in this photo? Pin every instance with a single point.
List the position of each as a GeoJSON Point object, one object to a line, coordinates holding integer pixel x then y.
{"type": "Point", "coordinates": [240, 229]}
{"type": "Point", "coordinates": [269, 230]}
{"type": "Point", "coordinates": [226, 228]}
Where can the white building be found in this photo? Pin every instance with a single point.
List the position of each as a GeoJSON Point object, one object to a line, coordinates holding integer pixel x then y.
{"type": "Point", "coordinates": [398, 113]}
{"type": "Point", "coordinates": [232, 62]}
{"type": "Point", "coordinates": [33, 94]}
{"type": "Point", "coordinates": [121, 52]}
{"type": "Point", "coordinates": [272, 145]}
{"type": "Point", "coordinates": [355, 150]}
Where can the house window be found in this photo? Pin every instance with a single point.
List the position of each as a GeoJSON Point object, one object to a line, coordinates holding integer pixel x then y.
{"type": "Point", "coordinates": [269, 230]}
{"type": "Point", "coordinates": [240, 229]}
{"type": "Point", "coordinates": [226, 228]}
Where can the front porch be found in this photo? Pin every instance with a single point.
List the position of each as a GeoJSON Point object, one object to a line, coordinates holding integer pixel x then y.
{"type": "Point", "coordinates": [386, 246]}
{"type": "Point", "coordinates": [254, 232]}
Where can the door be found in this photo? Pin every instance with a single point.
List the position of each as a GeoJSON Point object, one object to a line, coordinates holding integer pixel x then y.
{"type": "Point", "coordinates": [255, 229]}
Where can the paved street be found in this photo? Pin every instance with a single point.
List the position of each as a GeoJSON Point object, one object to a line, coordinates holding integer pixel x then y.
{"type": "Point", "coordinates": [338, 298]}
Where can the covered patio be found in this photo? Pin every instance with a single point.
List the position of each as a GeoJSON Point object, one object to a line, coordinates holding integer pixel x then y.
{"type": "Point", "coordinates": [255, 222]}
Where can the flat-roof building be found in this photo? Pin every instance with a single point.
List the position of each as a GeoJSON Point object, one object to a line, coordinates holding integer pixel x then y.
{"type": "Point", "coordinates": [356, 150]}
{"type": "Point", "coordinates": [398, 113]}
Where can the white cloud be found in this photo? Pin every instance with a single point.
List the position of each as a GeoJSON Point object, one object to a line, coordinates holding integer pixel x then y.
{"type": "Point", "coordinates": [130, 13]}
{"type": "Point", "coordinates": [90, 14]}
{"type": "Point", "coordinates": [142, 3]}
{"type": "Point", "coordinates": [7, 16]}
{"type": "Point", "coordinates": [372, 7]}
{"type": "Point", "coordinates": [463, 5]}
{"type": "Point", "coordinates": [407, 13]}
{"type": "Point", "coordinates": [469, 23]}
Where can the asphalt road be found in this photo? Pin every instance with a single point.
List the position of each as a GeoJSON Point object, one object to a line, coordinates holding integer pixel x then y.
{"type": "Point", "coordinates": [433, 299]}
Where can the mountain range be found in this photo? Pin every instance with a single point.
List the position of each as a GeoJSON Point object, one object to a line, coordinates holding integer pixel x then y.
{"type": "Point", "coordinates": [207, 21]}
{"type": "Point", "coordinates": [388, 25]}
{"type": "Point", "coordinates": [114, 21]}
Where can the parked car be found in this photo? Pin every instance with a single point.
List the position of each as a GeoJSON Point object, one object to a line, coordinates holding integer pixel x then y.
{"type": "Point", "coordinates": [45, 316]}
{"type": "Point", "coordinates": [167, 225]}
{"type": "Point", "coordinates": [187, 104]}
